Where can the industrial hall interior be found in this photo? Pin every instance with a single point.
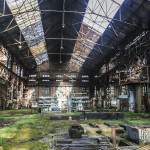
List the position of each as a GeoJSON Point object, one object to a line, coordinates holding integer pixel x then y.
{"type": "Point", "coordinates": [74, 74]}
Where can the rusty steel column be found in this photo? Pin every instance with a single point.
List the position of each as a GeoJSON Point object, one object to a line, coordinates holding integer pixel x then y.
{"type": "Point", "coordinates": [138, 98]}
{"type": "Point", "coordinates": [114, 137]}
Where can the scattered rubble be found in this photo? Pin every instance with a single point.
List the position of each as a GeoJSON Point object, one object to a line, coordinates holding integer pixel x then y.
{"type": "Point", "coordinates": [4, 123]}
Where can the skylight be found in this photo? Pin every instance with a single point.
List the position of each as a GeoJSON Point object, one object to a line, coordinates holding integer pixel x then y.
{"type": "Point", "coordinates": [27, 15]}
{"type": "Point", "coordinates": [98, 12]}
{"type": "Point", "coordinates": [98, 16]}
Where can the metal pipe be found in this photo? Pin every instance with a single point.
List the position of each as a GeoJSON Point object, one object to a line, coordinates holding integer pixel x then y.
{"type": "Point", "coordinates": [71, 39]}
{"type": "Point", "coordinates": [4, 7]}
{"type": "Point", "coordinates": [76, 12]}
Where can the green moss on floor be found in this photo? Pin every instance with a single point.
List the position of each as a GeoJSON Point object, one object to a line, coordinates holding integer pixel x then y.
{"type": "Point", "coordinates": [129, 118]}
{"type": "Point", "coordinates": [137, 118]}
{"type": "Point", "coordinates": [29, 128]}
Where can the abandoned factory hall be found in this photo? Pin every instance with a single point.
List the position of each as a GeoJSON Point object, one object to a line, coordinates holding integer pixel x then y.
{"type": "Point", "coordinates": [74, 74]}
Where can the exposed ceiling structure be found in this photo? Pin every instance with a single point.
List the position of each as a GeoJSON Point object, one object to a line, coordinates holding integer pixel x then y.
{"type": "Point", "coordinates": [27, 15]}
{"type": "Point", "coordinates": [130, 20]}
{"type": "Point", "coordinates": [76, 35]}
{"type": "Point", "coordinates": [99, 13]}
{"type": "Point", "coordinates": [63, 33]}
{"type": "Point", "coordinates": [10, 35]}
{"type": "Point", "coordinates": [61, 23]}
{"type": "Point", "coordinates": [97, 17]}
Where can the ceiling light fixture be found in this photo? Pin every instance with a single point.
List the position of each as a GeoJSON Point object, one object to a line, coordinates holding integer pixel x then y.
{"type": "Point", "coordinates": [63, 26]}
{"type": "Point", "coordinates": [20, 46]}
{"type": "Point", "coordinates": [60, 61]}
{"type": "Point", "coordinates": [61, 48]}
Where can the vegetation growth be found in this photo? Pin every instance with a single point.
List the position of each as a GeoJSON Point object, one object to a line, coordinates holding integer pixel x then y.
{"type": "Point", "coordinates": [26, 130]}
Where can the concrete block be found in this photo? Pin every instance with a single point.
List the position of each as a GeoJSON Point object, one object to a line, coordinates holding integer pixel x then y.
{"type": "Point", "coordinates": [139, 134]}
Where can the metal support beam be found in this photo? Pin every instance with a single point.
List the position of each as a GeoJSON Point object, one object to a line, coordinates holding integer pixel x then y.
{"type": "Point", "coordinates": [138, 98]}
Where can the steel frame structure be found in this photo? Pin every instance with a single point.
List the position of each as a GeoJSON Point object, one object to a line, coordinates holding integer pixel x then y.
{"type": "Point", "coordinates": [99, 11]}
{"type": "Point", "coordinates": [31, 27]}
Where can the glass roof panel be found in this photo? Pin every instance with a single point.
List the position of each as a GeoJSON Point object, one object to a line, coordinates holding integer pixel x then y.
{"type": "Point", "coordinates": [98, 16]}
{"type": "Point", "coordinates": [98, 12]}
{"type": "Point", "coordinates": [27, 16]}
